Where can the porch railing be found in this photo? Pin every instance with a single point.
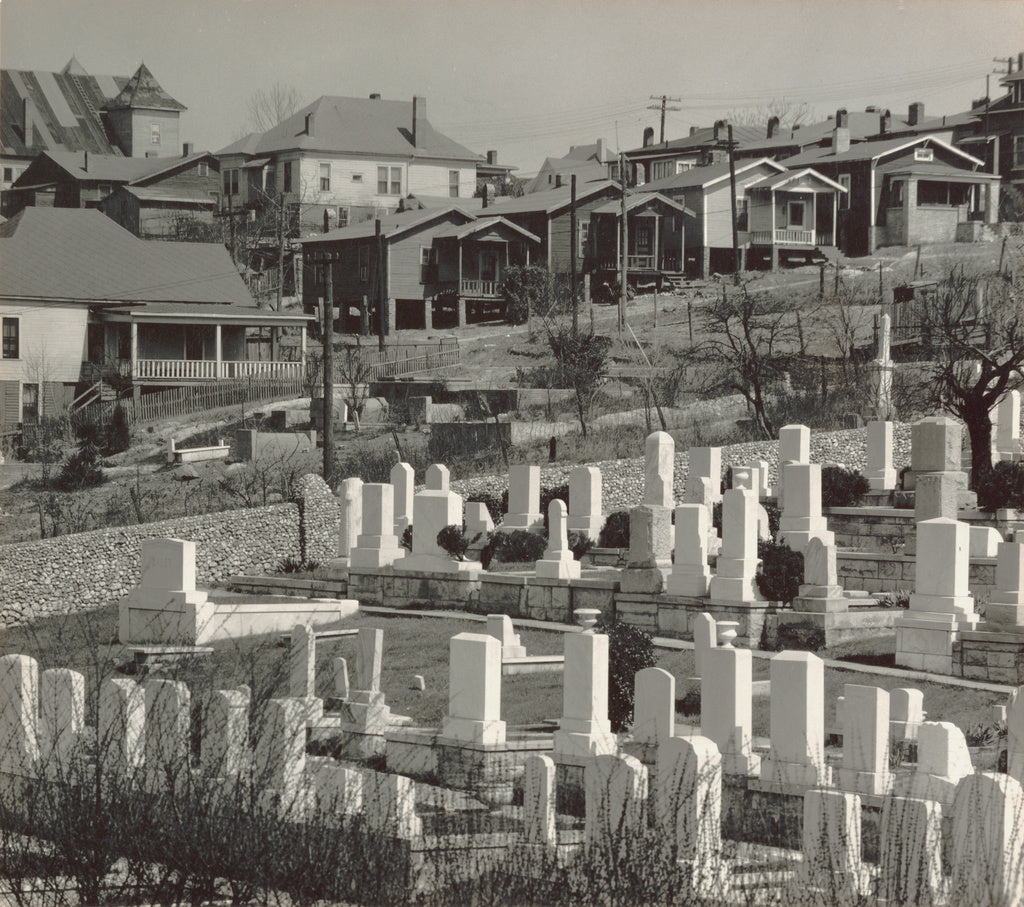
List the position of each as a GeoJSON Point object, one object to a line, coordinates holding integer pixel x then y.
{"type": "Point", "coordinates": [203, 369]}
{"type": "Point", "coordinates": [790, 238]}
{"type": "Point", "coordinates": [476, 287]}
{"type": "Point", "coordinates": [637, 263]}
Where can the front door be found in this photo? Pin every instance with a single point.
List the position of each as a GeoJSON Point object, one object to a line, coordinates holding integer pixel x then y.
{"type": "Point", "coordinates": [489, 265]}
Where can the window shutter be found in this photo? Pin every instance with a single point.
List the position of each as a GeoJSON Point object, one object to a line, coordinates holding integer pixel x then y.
{"type": "Point", "coordinates": [10, 393]}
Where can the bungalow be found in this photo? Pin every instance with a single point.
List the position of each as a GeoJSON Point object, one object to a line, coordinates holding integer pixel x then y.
{"type": "Point", "coordinates": [903, 191]}
{"type": "Point", "coordinates": [86, 306]}
{"type": "Point", "coordinates": [439, 267]}
{"type": "Point", "coordinates": [586, 162]}
{"type": "Point", "coordinates": [657, 161]}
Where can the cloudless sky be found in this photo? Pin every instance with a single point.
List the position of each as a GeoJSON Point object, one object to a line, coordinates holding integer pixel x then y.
{"type": "Point", "coordinates": [530, 77]}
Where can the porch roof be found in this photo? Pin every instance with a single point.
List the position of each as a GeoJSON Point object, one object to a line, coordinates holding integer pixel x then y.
{"type": "Point", "coordinates": [937, 170]}
{"type": "Point", "coordinates": [642, 200]}
{"type": "Point", "coordinates": [185, 313]}
{"type": "Point", "coordinates": [872, 151]}
{"type": "Point", "coordinates": [464, 231]}
{"type": "Point", "coordinates": [390, 227]}
{"type": "Point", "coordinates": [780, 180]}
{"type": "Point", "coordinates": [707, 175]}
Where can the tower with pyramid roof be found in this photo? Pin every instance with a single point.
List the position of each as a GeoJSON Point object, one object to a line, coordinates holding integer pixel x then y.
{"type": "Point", "coordinates": [144, 118]}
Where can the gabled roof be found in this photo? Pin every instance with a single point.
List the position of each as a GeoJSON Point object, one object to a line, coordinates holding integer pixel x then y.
{"type": "Point", "coordinates": [170, 194]}
{"type": "Point", "coordinates": [870, 151]}
{"type": "Point", "coordinates": [551, 200]}
{"type": "Point", "coordinates": [81, 255]}
{"type": "Point", "coordinates": [463, 231]}
{"type": "Point", "coordinates": [585, 171]}
{"type": "Point", "coordinates": [415, 200]}
{"type": "Point", "coordinates": [706, 176]}
{"type": "Point", "coordinates": [641, 200]}
{"type": "Point", "coordinates": [697, 140]}
{"type": "Point", "coordinates": [356, 126]}
{"type": "Point", "coordinates": [65, 110]}
{"type": "Point", "coordinates": [392, 226]}
{"type": "Point", "coordinates": [115, 169]}
{"type": "Point", "coordinates": [143, 91]}
{"type": "Point", "coordinates": [779, 180]}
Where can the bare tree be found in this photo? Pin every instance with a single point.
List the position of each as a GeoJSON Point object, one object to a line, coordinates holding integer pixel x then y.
{"type": "Point", "coordinates": [790, 113]}
{"type": "Point", "coordinates": [269, 106]}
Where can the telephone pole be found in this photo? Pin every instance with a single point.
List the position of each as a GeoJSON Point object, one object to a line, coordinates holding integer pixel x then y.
{"type": "Point", "coordinates": [625, 246]}
{"type": "Point", "coordinates": [328, 332]}
{"type": "Point", "coordinates": [730, 145]}
{"type": "Point", "coordinates": [572, 255]}
{"type": "Point", "coordinates": [280, 253]}
{"type": "Point", "coordinates": [379, 285]}
{"type": "Point", "coordinates": [663, 106]}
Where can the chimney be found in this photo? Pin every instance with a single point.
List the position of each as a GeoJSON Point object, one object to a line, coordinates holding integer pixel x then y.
{"type": "Point", "coordinates": [719, 130]}
{"type": "Point", "coordinates": [648, 136]}
{"type": "Point", "coordinates": [419, 119]}
{"type": "Point", "coordinates": [602, 151]}
{"type": "Point", "coordinates": [885, 122]}
{"type": "Point", "coordinates": [492, 157]}
{"type": "Point", "coordinates": [187, 148]}
{"type": "Point", "coordinates": [915, 113]}
{"type": "Point", "coordinates": [558, 180]}
{"type": "Point", "coordinates": [1020, 62]}
{"type": "Point", "coordinates": [309, 124]}
{"type": "Point", "coordinates": [85, 161]}
{"type": "Point", "coordinates": [28, 121]}
{"type": "Point", "coordinates": [841, 132]}
{"type": "Point", "coordinates": [773, 127]}
{"type": "Point", "coordinates": [375, 96]}
{"type": "Point", "coordinates": [694, 130]}
{"type": "Point", "coordinates": [871, 108]}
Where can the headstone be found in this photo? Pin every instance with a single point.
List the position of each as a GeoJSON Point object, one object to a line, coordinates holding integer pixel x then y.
{"type": "Point", "coordinates": [523, 500]}
{"type": "Point", "coordinates": [377, 545]}
{"type": "Point", "coordinates": [865, 768]}
{"type": "Point", "coordinates": [935, 460]}
{"type": "Point", "coordinates": [832, 861]}
{"type": "Point", "coordinates": [478, 520]}
{"type": "Point", "coordinates": [820, 591]}
{"type": "Point", "coordinates": [880, 473]}
{"type": "Point", "coordinates": [1005, 610]}
{"type": "Point", "coordinates": [225, 726]}
{"type": "Point", "coordinates": [659, 470]}
{"type": "Point", "coordinates": [539, 800]}
{"type": "Point", "coordinates": [302, 671]}
{"type": "Point", "coordinates": [764, 487]}
{"type": "Point", "coordinates": [403, 478]}
{"type": "Point", "coordinates": [690, 573]}
{"type": "Point", "coordinates": [988, 841]}
{"type": "Point", "coordinates": [654, 709]}
{"type": "Point", "coordinates": [121, 728]}
{"type": "Point", "coordinates": [279, 760]}
{"type": "Point", "coordinates": [883, 368]}
{"type": "Point", "coordinates": [794, 447]}
{"type": "Point", "coordinates": [642, 573]}
{"type": "Point", "coordinates": [1007, 428]}
{"type": "Point", "coordinates": [584, 729]}
{"type": "Point", "coordinates": [616, 799]}
{"type": "Point", "coordinates": [558, 561]}
{"type": "Point", "coordinates": [61, 722]}
{"type": "Point", "coordinates": [941, 604]}
{"type": "Point", "coordinates": [943, 760]}
{"type": "Point", "coordinates": [350, 497]}
{"type": "Point", "coordinates": [1015, 735]}
{"type": "Point", "coordinates": [433, 508]}
{"type": "Point", "coordinates": [910, 852]}
{"type": "Point", "coordinates": [797, 756]}
{"type": "Point", "coordinates": [337, 789]}
{"type": "Point", "coordinates": [726, 708]}
{"type": "Point", "coordinates": [705, 638]}
{"type": "Point", "coordinates": [738, 560]}
{"type": "Point", "coordinates": [705, 463]}
{"type": "Point", "coordinates": [585, 513]}
{"type": "Point", "coordinates": [906, 712]}
{"type": "Point", "coordinates": [341, 685]}
{"type": "Point", "coordinates": [474, 690]}
{"type": "Point", "coordinates": [437, 477]}
{"type": "Point", "coordinates": [984, 541]}
{"type": "Point", "coordinates": [369, 658]}
{"type": "Point", "coordinates": [168, 742]}
{"type": "Point", "coordinates": [364, 711]}
{"type": "Point", "coordinates": [389, 804]}
{"type": "Point", "coordinates": [500, 627]}
{"type": "Point", "coordinates": [801, 518]}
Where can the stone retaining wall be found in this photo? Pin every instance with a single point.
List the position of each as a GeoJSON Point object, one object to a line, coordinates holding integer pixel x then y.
{"type": "Point", "coordinates": [88, 570]}
{"type": "Point", "coordinates": [877, 571]}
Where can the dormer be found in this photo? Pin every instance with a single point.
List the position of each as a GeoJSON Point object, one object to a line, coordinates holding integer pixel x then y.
{"type": "Point", "coordinates": [144, 117]}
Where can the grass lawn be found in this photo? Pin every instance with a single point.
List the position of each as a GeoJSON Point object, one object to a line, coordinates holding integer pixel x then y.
{"type": "Point", "coordinates": [419, 645]}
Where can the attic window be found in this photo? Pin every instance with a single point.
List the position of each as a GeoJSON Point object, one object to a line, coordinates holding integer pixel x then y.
{"type": "Point", "coordinates": [204, 168]}
{"type": "Point", "coordinates": [154, 133]}
{"type": "Point", "coordinates": [924, 154]}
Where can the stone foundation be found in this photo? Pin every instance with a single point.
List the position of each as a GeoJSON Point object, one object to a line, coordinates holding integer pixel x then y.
{"type": "Point", "coordinates": [994, 657]}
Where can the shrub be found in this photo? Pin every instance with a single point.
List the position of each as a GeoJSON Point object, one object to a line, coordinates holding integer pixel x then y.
{"type": "Point", "coordinates": [898, 599]}
{"type": "Point", "coordinates": [1002, 487]}
{"type": "Point", "coordinates": [984, 734]}
{"type": "Point", "coordinates": [842, 487]}
{"type": "Point", "coordinates": [781, 572]}
{"type": "Point", "coordinates": [525, 288]}
{"type": "Point", "coordinates": [453, 539]}
{"type": "Point", "coordinates": [81, 470]}
{"type": "Point", "coordinates": [496, 504]}
{"type": "Point", "coordinates": [406, 539]}
{"type": "Point", "coordinates": [516, 547]}
{"type": "Point", "coordinates": [547, 495]}
{"type": "Point", "coordinates": [630, 649]}
{"type": "Point", "coordinates": [579, 543]}
{"type": "Point", "coordinates": [119, 436]}
{"type": "Point", "coordinates": [615, 532]}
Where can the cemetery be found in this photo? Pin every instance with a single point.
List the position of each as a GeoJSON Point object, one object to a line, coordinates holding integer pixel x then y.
{"type": "Point", "coordinates": [753, 770]}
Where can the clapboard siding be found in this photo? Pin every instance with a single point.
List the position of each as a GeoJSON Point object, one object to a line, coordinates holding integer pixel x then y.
{"type": "Point", "coordinates": [52, 342]}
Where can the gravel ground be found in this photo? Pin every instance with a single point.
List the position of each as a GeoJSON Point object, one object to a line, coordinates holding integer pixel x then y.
{"type": "Point", "coordinates": [623, 480]}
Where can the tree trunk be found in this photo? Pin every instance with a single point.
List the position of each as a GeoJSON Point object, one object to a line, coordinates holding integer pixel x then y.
{"type": "Point", "coordinates": [979, 428]}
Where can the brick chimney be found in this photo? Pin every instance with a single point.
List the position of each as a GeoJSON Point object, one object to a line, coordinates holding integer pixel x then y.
{"type": "Point", "coordinates": [419, 119]}
{"type": "Point", "coordinates": [915, 113]}
{"type": "Point", "coordinates": [773, 127]}
{"type": "Point", "coordinates": [310, 124]}
{"type": "Point", "coordinates": [187, 148]}
{"type": "Point", "coordinates": [375, 96]}
{"type": "Point", "coordinates": [602, 151]}
{"type": "Point", "coordinates": [841, 132]}
{"type": "Point", "coordinates": [884, 122]}
{"type": "Point", "coordinates": [85, 161]}
{"type": "Point", "coordinates": [720, 130]}
{"type": "Point", "coordinates": [694, 130]}
{"type": "Point", "coordinates": [648, 136]}
{"type": "Point", "coordinates": [492, 157]}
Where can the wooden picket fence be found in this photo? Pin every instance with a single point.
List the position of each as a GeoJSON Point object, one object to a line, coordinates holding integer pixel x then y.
{"type": "Point", "coordinates": [398, 360]}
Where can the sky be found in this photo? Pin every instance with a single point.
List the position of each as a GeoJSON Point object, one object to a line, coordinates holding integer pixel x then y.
{"type": "Point", "coordinates": [529, 78]}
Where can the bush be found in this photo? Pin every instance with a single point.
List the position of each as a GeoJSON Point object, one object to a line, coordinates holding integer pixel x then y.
{"type": "Point", "coordinates": [615, 532]}
{"type": "Point", "coordinates": [842, 487]}
{"type": "Point", "coordinates": [525, 288]}
{"type": "Point", "coordinates": [454, 541]}
{"type": "Point", "coordinates": [781, 572]}
{"type": "Point", "coordinates": [81, 470]}
{"type": "Point", "coordinates": [547, 495]}
{"type": "Point", "coordinates": [406, 539]}
{"type": "Point", "coordinates": [516, 547]}
{"type": "Point", "coordinates": [1002, 487]}
{"type": "Point", "coordinates": [630, 649]}
{"type": "Point", "coordinates": [579, 544]}
{"type": "Point", "coordinates": [496, 504]}
{"type": "Point", "coordinates": [119, 436]}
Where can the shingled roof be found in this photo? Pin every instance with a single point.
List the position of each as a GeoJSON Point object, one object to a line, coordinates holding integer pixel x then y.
{"type": "Point", "coordinates": [144, 91]}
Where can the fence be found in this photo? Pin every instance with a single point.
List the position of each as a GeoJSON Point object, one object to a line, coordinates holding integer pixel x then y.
{"type": "Point", "coordinates": [183, 401]}
{"type": "Point", "coordinates": [397, 360]}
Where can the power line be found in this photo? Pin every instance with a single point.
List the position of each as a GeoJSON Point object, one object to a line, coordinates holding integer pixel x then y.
{"type": "Point", "coordinates": [664, 99]}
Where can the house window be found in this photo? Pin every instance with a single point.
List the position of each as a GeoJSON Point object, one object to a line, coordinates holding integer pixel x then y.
{"type": "Point", "coordinates": [844, 197]}
{"type": "Point", "coordinates": [453, 183]}
{"type": "Point", "coordinates": [796, 214]}
{"type": "Point", "coordinates": [104, 190]}
{"type": "Point", "coordinates": [389, 180]}
{"type": "Point", "coordinates": [924, 154]}
{"type": "Point", "coordinates": [742, 213]}
{"type": "Point", "coordinates": [584, 238]}
{"type": "Point", "coordinates": [682, 166]}
{"type": "Point", "coordinates": [287, 178]}
{"type": "Point", "coordinates": [12, 345]}
{"type": "Point", "coordinates": [357, 177]}
{"type": "Point", "coordinates": [154, 133]}
{"type": "Point", "coordinates": [643, 240]}
{"type": "Point", "coordinates": [204, 168]}
{"type": "Point", "coordinates": [231, 182]}
{"type": "Point", "coordinates": [364, 263]}
{"type": "Point", "coordinates": [8, 174]}
{"type": "Point", "coordinates": [30, 403]}
{"type": "Point", "coordinates": [427, 259]}
{"type": "Point", "coordinates": [342, 216]}
{"type": "Point", "coordinates": [1018, 151]}
{"type": "Point", "coordinates": [325, 177]}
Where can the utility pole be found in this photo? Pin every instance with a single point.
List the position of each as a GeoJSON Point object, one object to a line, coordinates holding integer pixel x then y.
{"type": "Point", "coordinates": [381, 315]}
{"type": "Point", "coordinates": [328, 332]}
{"type": "Point", "coordinates": [731, 145]}
{"type": "Point", "coordinates": [625, 246]}
{"type": "Point", "coordinates": [280, 252]}
{"type": "Point", "coordinates": [572, 255]}
{"type": "Point", "coordinates": [662, 105]}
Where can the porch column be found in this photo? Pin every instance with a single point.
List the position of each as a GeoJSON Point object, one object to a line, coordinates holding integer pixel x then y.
{"type": "Point", "coordinates": [835, 220]}
{"type": "Point", "coordinates": [773, 247]}
{"type": "Point", "coordinates": [217, 351]}
{"type": "Point", "coordinates": [428, 313]}
{"type": "Point", "coordinates": [460, 312]}
{"type": "Point", "coordinates": [657, 248]}
{"type": "Point", "coordinates": [458, 285]}
{"type": "Point", "coordinates": [302, 347]}
{"type": "Point", "coordinates": [135, 349]}
{"type": "Point", "coordinates": [909, 207]}
{"type": "Point", "coordinates": [992, 202]}
{"type": "Point", "coordinates": [814, 218]}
